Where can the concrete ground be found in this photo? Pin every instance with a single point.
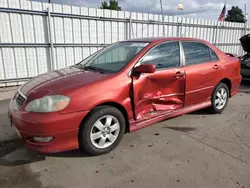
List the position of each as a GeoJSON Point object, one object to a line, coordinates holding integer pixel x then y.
{"type": "Point", "coordinates": [194, 150]}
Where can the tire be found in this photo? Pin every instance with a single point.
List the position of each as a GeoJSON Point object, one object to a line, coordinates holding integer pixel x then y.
{"type": "Point", "coordinates": [98, 134]}
{"type": "Point", "coordinates": [219, 103]}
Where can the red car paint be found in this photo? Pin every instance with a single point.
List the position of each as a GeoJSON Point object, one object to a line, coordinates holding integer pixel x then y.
{"type": "Point", "coordinates": [144, 99]}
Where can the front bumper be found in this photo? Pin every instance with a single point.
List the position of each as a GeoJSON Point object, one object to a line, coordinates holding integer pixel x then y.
{"type": "Point", "coordinates": [62, 127]}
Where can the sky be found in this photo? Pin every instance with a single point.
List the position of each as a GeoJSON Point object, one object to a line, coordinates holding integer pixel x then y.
{"type": "Point", "coordinates": [206, 9]}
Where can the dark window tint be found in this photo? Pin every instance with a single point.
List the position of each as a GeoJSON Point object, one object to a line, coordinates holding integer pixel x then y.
{"type": "Point", "coordinates": [165, 55]}
{"type": "Point", "coordinates": [196, 53]}
{"type": "Point", "coordinates": [213, 56]}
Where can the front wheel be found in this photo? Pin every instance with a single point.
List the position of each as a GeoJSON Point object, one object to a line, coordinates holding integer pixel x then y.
{"type": "Point", "coordinates": [219, 98]}
{"type": "Point", "coordinates": [102, 131]}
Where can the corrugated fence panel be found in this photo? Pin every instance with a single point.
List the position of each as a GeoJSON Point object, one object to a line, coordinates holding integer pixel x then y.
{"type": "Point", "coordinates": [60, 54]}
{"type": "Point", "coordinates": [107, 28]}
{"type": "Point", "coordinates": [4, 3]}
{"type": "Point", "coordinates": [21, 62]}
{"type": "Point", "coordinates": [85, 52]}
{"type": "Point", "coordinates": [114, 27]}
{"type": "Point", "coordinates": [28, 29]}
{"type": "Point", "coordinates": [32, 63]}
{"type": "Point", "coordinates": [69, 56]}
{"type": "Point", "coordinates": [16, 28]}
{"type": "Point", "coordinates": [5, 31]}
{"type": "Point", "coordinates": [14, 4]}
{"type": "Point", "coordinates": [9, 63]}
{"type": "Point", "coordinates": [42, 60]}
{"type": "Point", "coordinates": [78, 54]}
{"type": "Point", "coordinates": [32, 47]}
{"type": "Point", "coordinates": [25, 4]}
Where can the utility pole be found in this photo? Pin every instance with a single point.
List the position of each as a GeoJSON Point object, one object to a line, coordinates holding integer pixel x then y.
{"type": "Point", "coordinates": [245, 19]}
{"type": "Point", "coordinates": [246, 15]}
{"type": "Point", "coordinates": [162, 18]}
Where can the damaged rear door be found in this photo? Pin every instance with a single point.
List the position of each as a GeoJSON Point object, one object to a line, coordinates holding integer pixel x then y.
{"type": "Point", "coordinates": [164, 90]}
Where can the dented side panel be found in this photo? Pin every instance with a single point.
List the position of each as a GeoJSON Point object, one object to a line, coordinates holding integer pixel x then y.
{"type": "Point", "coordinates": [159, 92]}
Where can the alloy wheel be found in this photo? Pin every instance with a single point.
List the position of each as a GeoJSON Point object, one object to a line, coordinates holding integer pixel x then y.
{"type": "Point", "coordinates": [105, 131]}
{"type": "Point", "coordinates": [221, 98]}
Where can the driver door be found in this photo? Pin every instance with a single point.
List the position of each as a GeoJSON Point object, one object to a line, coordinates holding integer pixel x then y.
{"type": "Point", "coordinates": [164, 90]}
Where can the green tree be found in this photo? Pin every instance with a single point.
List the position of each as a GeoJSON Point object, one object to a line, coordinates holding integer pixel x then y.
{"type": "Point", "coordinates": [113, 5]}
{"type": "Point", "coordinates": [235, 15]}
{"type": "Point", "coordinates": [104, 5]}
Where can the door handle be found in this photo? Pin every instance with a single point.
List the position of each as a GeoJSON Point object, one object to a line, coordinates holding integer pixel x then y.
{"type": "Point", "coordinates": [179, 74]}
{"type": "Point", "coordinates": [216, 66]}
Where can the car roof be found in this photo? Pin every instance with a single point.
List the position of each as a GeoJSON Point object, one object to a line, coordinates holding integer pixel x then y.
{"type": "Point", "coordinates": [162, 39]}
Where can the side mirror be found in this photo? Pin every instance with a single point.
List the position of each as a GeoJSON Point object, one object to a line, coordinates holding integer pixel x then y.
{"type": "Point", "coordinates": [145, 68]}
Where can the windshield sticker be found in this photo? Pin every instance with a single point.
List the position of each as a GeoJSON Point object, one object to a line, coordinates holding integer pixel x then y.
{"type": "Point", "coordinates": [139, 44]}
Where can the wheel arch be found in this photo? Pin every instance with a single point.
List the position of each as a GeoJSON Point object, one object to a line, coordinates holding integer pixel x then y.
{"type": "Point", "coordinates": [116, 105]}
{"type": "Point", "coordinates": [228, 83]}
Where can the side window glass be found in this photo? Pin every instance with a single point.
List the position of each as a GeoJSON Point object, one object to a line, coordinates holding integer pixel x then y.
{"type": "Point", "coordinates": [165, 55]}
{"type": "Point", "coordinates": [214, 57]}
{"type": "Point", "coordinates": [196, 53]}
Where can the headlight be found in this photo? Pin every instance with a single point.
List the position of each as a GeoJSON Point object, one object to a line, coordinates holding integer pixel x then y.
{"type": "Point", "coordinates": [51, 103]}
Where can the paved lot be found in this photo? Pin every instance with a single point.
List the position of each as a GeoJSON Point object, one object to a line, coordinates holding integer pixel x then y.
{"type": "Point", "coordinates": [195, 150]}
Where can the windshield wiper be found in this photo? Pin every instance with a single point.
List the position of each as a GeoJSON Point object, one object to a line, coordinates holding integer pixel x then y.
{"type": "Point", "coordinates": [94, 69]}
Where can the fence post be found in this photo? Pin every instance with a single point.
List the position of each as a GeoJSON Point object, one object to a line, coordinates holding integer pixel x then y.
{"type": "Point", "coordinates": [51, 57]}
{"type": "Point", "coordinates": [216, 34]}
{"type": "Point", "coordinates": [181, 27]}
{"type": "Point", "coordinates": [130, 26]}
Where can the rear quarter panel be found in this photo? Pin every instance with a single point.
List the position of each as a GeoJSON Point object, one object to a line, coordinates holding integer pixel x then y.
{"type": "Point", "coordinates": [202, 79]}
{"type": "Point", "coordinates": [232, 72]}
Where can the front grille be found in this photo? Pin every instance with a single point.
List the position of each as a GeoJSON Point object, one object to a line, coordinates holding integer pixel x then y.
{"type": "Point", "coordinates": [20, 100]}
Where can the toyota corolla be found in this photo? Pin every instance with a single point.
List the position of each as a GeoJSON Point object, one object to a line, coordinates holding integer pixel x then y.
{"type": "Point", "coordinates": [122, 88]}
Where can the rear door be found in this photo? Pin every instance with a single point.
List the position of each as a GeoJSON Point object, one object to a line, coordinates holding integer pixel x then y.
{"type": "Point", "coordinates": [163, 90]}
{"type": "Point", "coordinates": [203, 69]}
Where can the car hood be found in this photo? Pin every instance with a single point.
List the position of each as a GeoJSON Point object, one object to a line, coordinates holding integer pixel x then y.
{"type": "Point", "coordinates": [60, 81]}
{"type": "Point", "coordinates": [245, 43]}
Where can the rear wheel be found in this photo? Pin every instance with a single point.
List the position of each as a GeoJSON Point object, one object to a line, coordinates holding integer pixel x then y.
{"type": "Point", "coordinates": [102, 131]}
{"type": "Point", "coordinates": [219, 98]}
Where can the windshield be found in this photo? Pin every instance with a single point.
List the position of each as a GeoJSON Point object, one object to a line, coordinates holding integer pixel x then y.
{"type": "Point", "coordinates": [113, 58]}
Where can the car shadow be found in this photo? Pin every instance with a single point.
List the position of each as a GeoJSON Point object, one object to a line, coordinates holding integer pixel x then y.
{"type": "Point", "coordinates": [200, 112]}
{"type": "Point", "coordinates": [13, 153]}
{"type": "Point", "coordinates": [9, 146]}
{"type": "Point", "coordinates": [69, 154]}
{"type": "Point", "coordinates": [181, 129]}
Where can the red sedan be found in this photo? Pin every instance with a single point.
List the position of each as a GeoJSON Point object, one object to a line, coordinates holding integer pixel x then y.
{"type": "Point", "coordinates": [122, 88]}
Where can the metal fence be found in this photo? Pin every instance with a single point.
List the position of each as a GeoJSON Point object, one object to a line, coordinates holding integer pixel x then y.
{"type": "Point", "coordinates": [39, 37]}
